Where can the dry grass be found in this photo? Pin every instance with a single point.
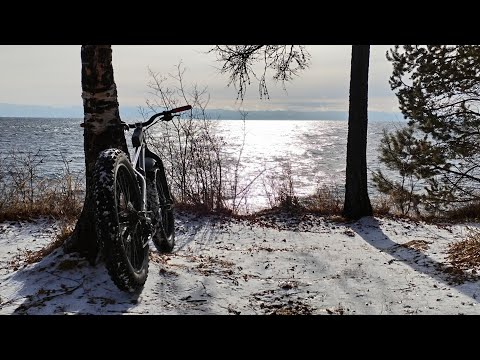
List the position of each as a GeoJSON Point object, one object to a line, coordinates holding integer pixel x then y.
{"type": "Point", "coordinates": [463, 260]}
{"type": "Point", "coordinates": [383, 205]}
{"type": "Point", "coordinates": [465, 254]}
{"type": "Point", "coordinates": [470, 211]}
{"type": "Point", "coordinates": [327, 200]}
{"type": "Point", "coordinates": [419, 245]}
{"type": "Point", "coordinates": [201, 209]}
{"type": "Point", "coordinates": [47, 204]}
{"type": "Point", "coordinates": [26, 194]}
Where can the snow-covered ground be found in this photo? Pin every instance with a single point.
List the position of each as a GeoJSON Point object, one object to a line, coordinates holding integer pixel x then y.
{"type": "Point", "coordinates": [276, 264]}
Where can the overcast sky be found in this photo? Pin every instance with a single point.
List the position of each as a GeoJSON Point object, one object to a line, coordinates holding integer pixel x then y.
{"type": "Point", "coordinates": [51, 75]}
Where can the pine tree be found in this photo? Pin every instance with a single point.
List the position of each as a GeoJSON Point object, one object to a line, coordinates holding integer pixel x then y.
{"type": "Point", "coordinates": [438, 154]}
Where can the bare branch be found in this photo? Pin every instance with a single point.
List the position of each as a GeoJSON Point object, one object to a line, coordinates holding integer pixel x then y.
{"type": "Point", "coordinates": [286, 61]}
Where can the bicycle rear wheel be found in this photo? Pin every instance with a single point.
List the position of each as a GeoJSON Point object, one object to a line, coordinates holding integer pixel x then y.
{"type": "Point", "coordinates": [120, 226]}
{"type": "Point", "coordinates": [164, 237]}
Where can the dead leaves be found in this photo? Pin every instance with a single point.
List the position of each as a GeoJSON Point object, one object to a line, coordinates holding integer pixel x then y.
{"type": "Point", "coordinates": [349, 232]}
{"type": "Point", "coordinates": [281, 302]}
{"type": "Point", "coordinates": [337, 310]}
{"type": "Point", "coordinates": [419, 245]}
{"type": "Point", "coordinates": [291, 307]}
{"type": "Point", "coordinates": [289, 284]}
{"type": "Point", "coordinates": [415, 245]}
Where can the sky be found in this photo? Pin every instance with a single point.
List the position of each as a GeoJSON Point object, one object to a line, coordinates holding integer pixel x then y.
{"type": "Point", "coordinates": [50, 75]}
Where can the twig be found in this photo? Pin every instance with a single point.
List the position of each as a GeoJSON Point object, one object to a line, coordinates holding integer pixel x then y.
{"type": "Point", "coordinates": [24, 307]}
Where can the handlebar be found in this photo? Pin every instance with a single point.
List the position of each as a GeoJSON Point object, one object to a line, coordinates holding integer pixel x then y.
{"type": "Point", "coordinates": [167, 116]}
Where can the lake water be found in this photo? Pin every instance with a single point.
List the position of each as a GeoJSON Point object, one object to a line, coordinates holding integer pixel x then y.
{"type": "Point", "coordinates": [315, 149]}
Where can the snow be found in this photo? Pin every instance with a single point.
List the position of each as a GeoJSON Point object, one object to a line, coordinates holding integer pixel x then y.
{"type": "Point", "coordinates": [275, 264]}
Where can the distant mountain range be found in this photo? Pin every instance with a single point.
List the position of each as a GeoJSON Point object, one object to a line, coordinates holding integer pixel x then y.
{"type": "Point", "coordinates": [132, 113]}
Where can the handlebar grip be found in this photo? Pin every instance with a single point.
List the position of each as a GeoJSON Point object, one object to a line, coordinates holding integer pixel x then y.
{"type": "Point", "coordinates": [180, 109]}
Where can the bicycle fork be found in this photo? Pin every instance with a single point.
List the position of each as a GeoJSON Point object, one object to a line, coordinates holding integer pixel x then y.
{"type": "Point", "coordinates": [139, 162]}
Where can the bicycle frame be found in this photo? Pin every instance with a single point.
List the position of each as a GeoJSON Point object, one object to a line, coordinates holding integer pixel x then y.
{"type": "Point", "coordinates": [139, 145]}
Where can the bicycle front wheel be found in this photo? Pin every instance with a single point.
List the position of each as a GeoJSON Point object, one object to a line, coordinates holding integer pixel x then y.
{"type": "Point", "coordinates": [119, 223]}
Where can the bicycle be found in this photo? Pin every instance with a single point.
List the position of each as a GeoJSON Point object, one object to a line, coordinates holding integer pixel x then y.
{"type": "Point", "coordinates": [133, 205]}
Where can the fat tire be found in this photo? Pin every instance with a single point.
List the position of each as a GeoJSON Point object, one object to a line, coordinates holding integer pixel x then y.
{"type": "Point", "coordinates": [113, 176]}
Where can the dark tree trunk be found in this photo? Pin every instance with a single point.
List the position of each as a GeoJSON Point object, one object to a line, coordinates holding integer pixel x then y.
{"type": "Point", "coordinates": [357, 202]}
{"type": "Point", "coordinates": [100, 105]}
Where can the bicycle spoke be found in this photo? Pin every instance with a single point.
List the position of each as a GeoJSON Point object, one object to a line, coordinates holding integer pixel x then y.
{"type": "Point", "coordinates": [135, 255]}
{"type": "Point", "coordinates": [126, 191]}
{"type": "Point", "coordinates": [126, 224]}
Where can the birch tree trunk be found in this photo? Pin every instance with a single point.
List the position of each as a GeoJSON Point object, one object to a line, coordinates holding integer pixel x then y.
{"type": "Point", "coordinates": [101, 115]}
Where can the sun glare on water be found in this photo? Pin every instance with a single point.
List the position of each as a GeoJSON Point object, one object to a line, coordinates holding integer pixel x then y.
{"type": "Point", "coordinates": [311, 149]}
